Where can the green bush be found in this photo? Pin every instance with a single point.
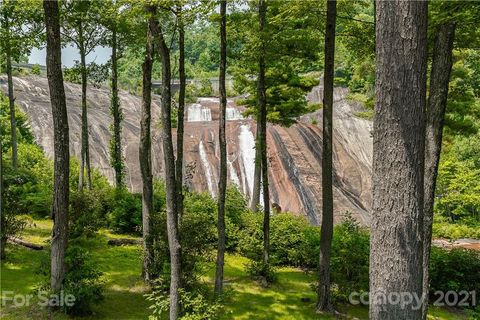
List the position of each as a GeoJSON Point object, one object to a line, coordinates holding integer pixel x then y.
{"type": "Point", "coordinates": [264, 272]}
{"type": "Point", "coordinates": [36, 69]}
{"type": "Point", "coordinates": [289, 241]}
{"type": "Point", "coordinates": [293, 241]}
{"type": "Point", "coordinates": [198, 238]}
{"type": "Point", "coordinates": [85, 216]}
{"type": "Point", "coordinates": [124, 211]}
{"type": "Point", "coordinates": [235, 206]}
{"type": "Point", "coordinates": [456, 269]}
{"type": "Point", "coordinates": [350, 258]}
{"type": "Point", "coordinates": [194, 304]}
{"type": "Point", "coordinates": [24, 135]}
{"type": "Point", "coordinates": [250, 235]}
{"type": "Point", "coordinates": [453, 231]}
{"type": "Point", "coordinates": [82, 280]}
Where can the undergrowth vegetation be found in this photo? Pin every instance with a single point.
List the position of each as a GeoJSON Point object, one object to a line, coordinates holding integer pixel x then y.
{"type": "Point", "coordinates": [294, 241]}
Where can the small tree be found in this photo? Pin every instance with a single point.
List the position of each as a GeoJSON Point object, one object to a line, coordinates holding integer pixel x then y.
{"type": "Point", "coordinates": [81, 27]}
{"type": "Point", "coordinates": [20, 30]}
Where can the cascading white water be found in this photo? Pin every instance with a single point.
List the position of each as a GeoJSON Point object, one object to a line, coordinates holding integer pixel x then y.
{"type": "Point", "coordinates": [247, 154]}
{"type": "Point", "coordinates": [207, 168]}
{"type": "Point", "coordinates": [233, 174]}
{"type": "Point", "coordinates": [197, 112]}
{"type": "Point", "coordinates": [233, 114]}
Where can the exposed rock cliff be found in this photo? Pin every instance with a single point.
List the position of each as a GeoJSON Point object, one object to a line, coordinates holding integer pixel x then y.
{"type": "Point", "coordinates": [294, 153]}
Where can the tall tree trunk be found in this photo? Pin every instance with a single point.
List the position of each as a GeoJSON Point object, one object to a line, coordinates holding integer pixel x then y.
{"type": "Point", "coordinates": [85, 157]}
{"type": "Point", "coordinates": [437, 103]}
{"type": "Point", "coordinates": [145, 153]}
{"type": "Point", "coordinates": [262, 104]}
{"type": "Point", "coordinates": [257, 173]}
{"type": "Point", "coordinates": [396, 260]}
{"type": "Point", "coordinates": [61, 144]}
{"type": "Point", "coordinates": [116, 147]}
{"type": "Point", "coordinates": [11, 98]}
{"type": "Point", "coordinates": [324, 303]}
{"type": "Point", "coordinates": [222, 182]}
{"type": "Point", "coordinates": [3, 238]}
{"type": "Point", "coordinates": [181, 112]}
{"type": "Point", "coordinates": [169, 159]}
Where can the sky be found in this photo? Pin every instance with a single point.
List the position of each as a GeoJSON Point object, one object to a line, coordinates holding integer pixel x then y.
{"type": "Point", "coordinates": [69, 54]}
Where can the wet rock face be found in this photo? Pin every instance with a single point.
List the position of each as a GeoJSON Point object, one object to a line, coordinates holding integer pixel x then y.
{"type": "Point", "coordinates": [294, 153]}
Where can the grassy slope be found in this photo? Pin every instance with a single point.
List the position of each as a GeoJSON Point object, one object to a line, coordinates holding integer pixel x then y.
{"type": "Point", "coordinates": [124, 288]}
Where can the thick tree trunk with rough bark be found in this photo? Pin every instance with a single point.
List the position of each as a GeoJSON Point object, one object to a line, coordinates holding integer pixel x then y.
{"type": "Point", "coordinates": [435, 114]}
{"type": "Point", "coordinates": [324, 303]}
{"type": "Point", "coordinates": [181, 112]}
{"type": "Point", "coordinates": [11, 98]}
{"type": "Point", "coordinates": [396, 259]}
{"type": "Point", "coordinates": [222, 182]}
{"type": "Point", "coordinates": [169, 160]}
{"type": "Point", "coordinates": [262, 105]}
{"type": "Point", "coordinates": [116, 147]}
{"type": "Point", "coordinates": [145, 155]}
{"type": "Point", "coordinates": [61, 144]}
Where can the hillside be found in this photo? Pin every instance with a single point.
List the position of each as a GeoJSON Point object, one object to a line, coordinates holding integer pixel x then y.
{"type": "Point", "coordinates": [294, 153]}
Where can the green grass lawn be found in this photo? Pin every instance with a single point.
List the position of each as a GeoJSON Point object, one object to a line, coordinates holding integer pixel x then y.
{"type": "Point", "coordinates": [290, 298]}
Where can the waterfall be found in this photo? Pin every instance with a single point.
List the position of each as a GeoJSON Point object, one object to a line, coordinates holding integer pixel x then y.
{"type": "Point", "coordinates": [233, 174]}
{"type": "Point", "coordinates": [247, 155]}
{"type": "Point", "coordinates": [196, 113]}
{"type": "Point", "coordinates": [233, 114]}
{"type": "Point", "coordinates": [207, 168]}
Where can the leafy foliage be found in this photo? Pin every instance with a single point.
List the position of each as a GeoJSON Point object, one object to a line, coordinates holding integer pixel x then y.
{"type": "Point", "coordinates": [86, 213]}
{"type": "Point", "coordinates": [350, 258]}
{"type": "Point", "coordinates": [291, 46]}
{"type": "Point", "coordinates": [194, 304]}
{"type": "Point", "coordinates": [198, 240]}
{"type": "Point", "coordinates": [458, 183]}
{"type": "Point", "coordinates": [124, 211]}
{"type": "Point", "coordinates": [455, 269]}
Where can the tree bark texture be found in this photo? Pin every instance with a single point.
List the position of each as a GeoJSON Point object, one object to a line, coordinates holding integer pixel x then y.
{"type": "Point", "coordinates": [61, 144]}
{"type": "Point", "coordinates": [145, 155]}
{"type": "Point", "coordinates": [257, 173]}
{"type": "Point", "coordinates": [116, 147]}
{"type": "Point", "coordinates": [169, 160]}
{"type": "Point", "coordinates": [181, 112]}
{"type": "Point", "coordinates": [85, 156]}
{"type": "Point", "coordinates": [262, 105]}
{"type": "Point", "coordinates": [396, 241]}
{"type": "Point", "coordinates": [324, 303]}
{"type": "Point", "coordinates": [436, 105]}
{"type": "Point", "coordinates": [222, 183]}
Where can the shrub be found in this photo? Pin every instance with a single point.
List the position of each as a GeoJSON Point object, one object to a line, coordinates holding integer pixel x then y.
{"type": "Point", "coordinates": [82, 280]}
{"type": "Point", "coordinates": [288, 240]}
{"type": "Point", "coordinates": [264, 272]}
{"type": "Point", "coordinates": [124, 211]}
{"type": "Point", "coordinates": [350, 258]}
{"type": "Point", "coordinates": [250, 235]}
{"type": "Point", "coordinates": [194, 305]}
{"type": "Point", "coordinates": [202, 89]}
{"type": "Point", "coordinates": [85, 216]}
{"type": "Point", "coordinates": [235, 206]}
{"type": "Point", "coordinates": [198, 240]}
{"type": "Point", "coordinates": [455, 230]}
{"type": "Point", "coordinates": [36, 69]}
{"type": "Point", "coordinates": [456, 269]}
{"type": "Point", "coordinates": [206, 89]}
{"type": "Point", "coordinates": [293, 241]}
